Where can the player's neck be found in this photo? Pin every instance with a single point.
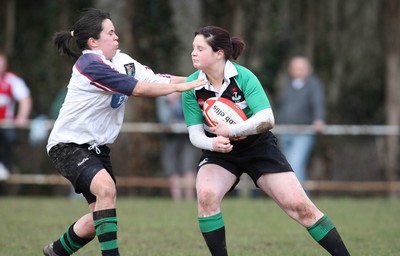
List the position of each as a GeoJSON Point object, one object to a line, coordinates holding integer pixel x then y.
{"type": "Point", "coordinates": [216, 77]}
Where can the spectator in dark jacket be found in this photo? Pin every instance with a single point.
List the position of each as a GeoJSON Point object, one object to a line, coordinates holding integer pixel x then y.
{"type": "Point", "coordinates": [301, 102]}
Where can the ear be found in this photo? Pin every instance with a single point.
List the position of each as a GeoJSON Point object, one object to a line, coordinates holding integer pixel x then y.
{"type": "Point", "coordinates": [92, 43]}
{"type": "Point", "coordinates": [220, 54]}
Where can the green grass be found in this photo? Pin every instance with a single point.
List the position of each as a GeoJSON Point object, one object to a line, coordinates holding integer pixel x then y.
{"type": "Point", "coordinates": [160, 227]}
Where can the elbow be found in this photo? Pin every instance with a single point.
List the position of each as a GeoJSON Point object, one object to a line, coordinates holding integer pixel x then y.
{"type": "Point", "coordinates": [138, 91]}
{"type": "Point", "coordinates": [271, 122]}
{"type": "Point", "coordinates": [265, 125]}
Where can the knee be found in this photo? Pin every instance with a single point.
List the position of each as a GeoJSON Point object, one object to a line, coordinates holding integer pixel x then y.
{"type": "Point", "coordinates": [103, 186]}
{"type": "Point", "coordinates": [304, 212]}
{"type": "Point", "coordinates": [107, 191]}
{"type": "Point", "coordinates": [208, 201]}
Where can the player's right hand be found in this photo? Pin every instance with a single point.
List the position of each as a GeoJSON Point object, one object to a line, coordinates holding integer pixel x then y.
{"type": "Point", "coordinates": [222, 144]}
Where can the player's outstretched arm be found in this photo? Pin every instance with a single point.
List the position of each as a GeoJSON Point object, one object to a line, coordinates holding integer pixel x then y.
{"type": "Point", "coordinates": [157, 89]}
{"type": "Point", "coordinates": [177, 79]}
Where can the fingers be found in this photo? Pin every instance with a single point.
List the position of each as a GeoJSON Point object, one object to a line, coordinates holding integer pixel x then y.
{"type": "Point", "coordinates": [187, 86]}
{"type": "Point", "coordinates": [222, 144]}
{"type": "Point", "coordinates": [201, 82]}
{"type": "Point", "coordinates": [221, 128]}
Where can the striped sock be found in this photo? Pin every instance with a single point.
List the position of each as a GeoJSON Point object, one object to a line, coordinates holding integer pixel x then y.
{"type": "Point", "coordinates": [105, 223]}
{"type": "Point", "coordinates": [69, 242]}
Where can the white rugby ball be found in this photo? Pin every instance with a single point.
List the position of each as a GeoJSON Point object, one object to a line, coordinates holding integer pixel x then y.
{"type": "Point", "coordinates": [222, 109]}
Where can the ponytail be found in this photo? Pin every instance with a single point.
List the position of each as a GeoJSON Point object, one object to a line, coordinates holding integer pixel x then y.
{"type": "Point", "coordinates": [62, 41]}
{"type": "Point", "coordinates": [238, 47]}
{"type": "Point", "coordinates": [88, 25]}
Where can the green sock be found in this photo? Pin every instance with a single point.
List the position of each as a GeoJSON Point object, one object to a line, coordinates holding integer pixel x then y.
{"type": "Point", "coordinates": [325, 233]}
{"type": "Point", "coordinates": [211, 223]}
{"type": "Point", "coordinates": [69, 242]}
{"type": "Point", "coordinates": [320, 228]}
{"type": "Point", "coordinates": [213, 231]}
{"type": "Point", "coordinates": [105, 223]}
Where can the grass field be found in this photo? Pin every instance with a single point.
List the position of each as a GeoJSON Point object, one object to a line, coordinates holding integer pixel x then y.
{"type": "Point", "coordinates": [160, 227]}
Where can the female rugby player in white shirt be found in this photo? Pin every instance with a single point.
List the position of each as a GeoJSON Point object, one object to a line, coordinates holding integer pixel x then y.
{"type": "Point", "coordinates": [90, 118]}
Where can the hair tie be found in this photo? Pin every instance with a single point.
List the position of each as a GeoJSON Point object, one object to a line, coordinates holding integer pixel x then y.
{"type": "Point", "coordinates": [72, 33]}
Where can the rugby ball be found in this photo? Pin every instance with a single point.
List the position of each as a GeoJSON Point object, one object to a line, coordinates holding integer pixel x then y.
{"type": "Point", "coordinates": [222, 109]}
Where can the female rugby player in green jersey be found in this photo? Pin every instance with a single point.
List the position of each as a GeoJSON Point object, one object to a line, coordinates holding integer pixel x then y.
{"type": "Point", "coordinates": [225, 159]}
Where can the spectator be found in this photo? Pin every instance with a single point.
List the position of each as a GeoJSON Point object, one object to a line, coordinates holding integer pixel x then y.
{"type": "Point", "coordinates": [301, 102]}
{"type": "Point", "coordinates": [178, 156]}
{"type": "Point", "coordinates": [15, 107]}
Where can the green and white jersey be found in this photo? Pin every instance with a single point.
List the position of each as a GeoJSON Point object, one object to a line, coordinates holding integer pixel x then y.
{"type": "Point", "coordinates": [240, 86]}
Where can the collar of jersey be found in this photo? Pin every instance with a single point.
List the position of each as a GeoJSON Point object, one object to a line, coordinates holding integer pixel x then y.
{"type": "Point", "coordinates": [100, 53]}
{"type": "Point", "coordinates": [229, 72]}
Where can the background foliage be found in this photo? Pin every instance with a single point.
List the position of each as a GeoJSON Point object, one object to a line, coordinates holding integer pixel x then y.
{"type": "Point", "coordinates": [350, 43]}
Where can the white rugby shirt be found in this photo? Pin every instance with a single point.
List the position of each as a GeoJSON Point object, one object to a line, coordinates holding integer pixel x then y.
{"type": "Point", "coordinates": [93, 109]}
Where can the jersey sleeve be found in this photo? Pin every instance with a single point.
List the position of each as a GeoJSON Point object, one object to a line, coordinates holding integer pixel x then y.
{"type": "Point", "coordinates": [103, 76]}
{"type": "Point", "coordinates": [144, 73]}
{"type": "Point", "coordinates": [140, 72]}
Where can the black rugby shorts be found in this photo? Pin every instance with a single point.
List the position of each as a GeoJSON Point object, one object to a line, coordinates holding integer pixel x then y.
{"type": "Point", "coordinates": [79, 165]}
{"type": "Point", "coordinates": [255, 155]}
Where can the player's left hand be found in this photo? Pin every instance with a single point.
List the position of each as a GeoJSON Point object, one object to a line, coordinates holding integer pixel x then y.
{"type": "Point", "coordinates": [221, 128]}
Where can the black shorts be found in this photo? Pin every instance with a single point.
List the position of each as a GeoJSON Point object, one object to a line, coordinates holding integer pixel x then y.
{"type": "Point", "coordinates": [255, 155]}
{"type": "Point", "coordinates": [79, 165]}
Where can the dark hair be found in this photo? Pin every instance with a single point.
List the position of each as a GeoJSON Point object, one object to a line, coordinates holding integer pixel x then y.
{"type": "Point", "coordinates": [88, 25]}
{"type": "Point", "coordinates": [219, 39]}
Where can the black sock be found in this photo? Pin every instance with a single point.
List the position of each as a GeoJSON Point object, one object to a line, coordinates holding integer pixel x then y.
{"type": "Point", "coordinates": [333, 243]}
{"type": "Point", "coordinates": [215, 241]}
{"type": "Point", "coordinates": [69, 242]}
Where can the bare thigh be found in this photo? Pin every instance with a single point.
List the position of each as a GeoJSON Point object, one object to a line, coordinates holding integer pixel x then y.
{"type": "Point", "coordinates": [285, 189]}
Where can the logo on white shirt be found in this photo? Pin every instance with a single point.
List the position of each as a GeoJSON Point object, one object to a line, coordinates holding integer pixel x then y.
{"type": "Point", "coordinates": [118, 99]}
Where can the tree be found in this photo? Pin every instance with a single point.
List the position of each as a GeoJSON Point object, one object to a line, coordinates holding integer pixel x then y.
{"type": "Point", "coordinates": [391, 9]}
{"type": "Point", "coordinates": [10, 27]}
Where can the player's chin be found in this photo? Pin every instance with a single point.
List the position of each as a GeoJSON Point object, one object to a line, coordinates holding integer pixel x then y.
{"type": "Point", "coordinates": [196, 65]}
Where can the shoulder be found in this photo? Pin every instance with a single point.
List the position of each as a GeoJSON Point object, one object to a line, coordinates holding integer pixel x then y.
{"type": "Point", "coordinates": [11, 75]}
{"type": "Point", "coordinates": [243, 72]}
{"type": "Point", "coordinates": [87, 59]}
{"type": "Point", "coordinates": [315, 80]}
{"type": "Point", "coordinates": [122, 57]}
{"type": "Point", "coordinates": [242, 69]}
{"type": "Point", "coordinates": [245, 76]}
{"type": "Point", "coordinates": [193, 76]}
{"type": "Point", "coordinates": [13, 78]}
